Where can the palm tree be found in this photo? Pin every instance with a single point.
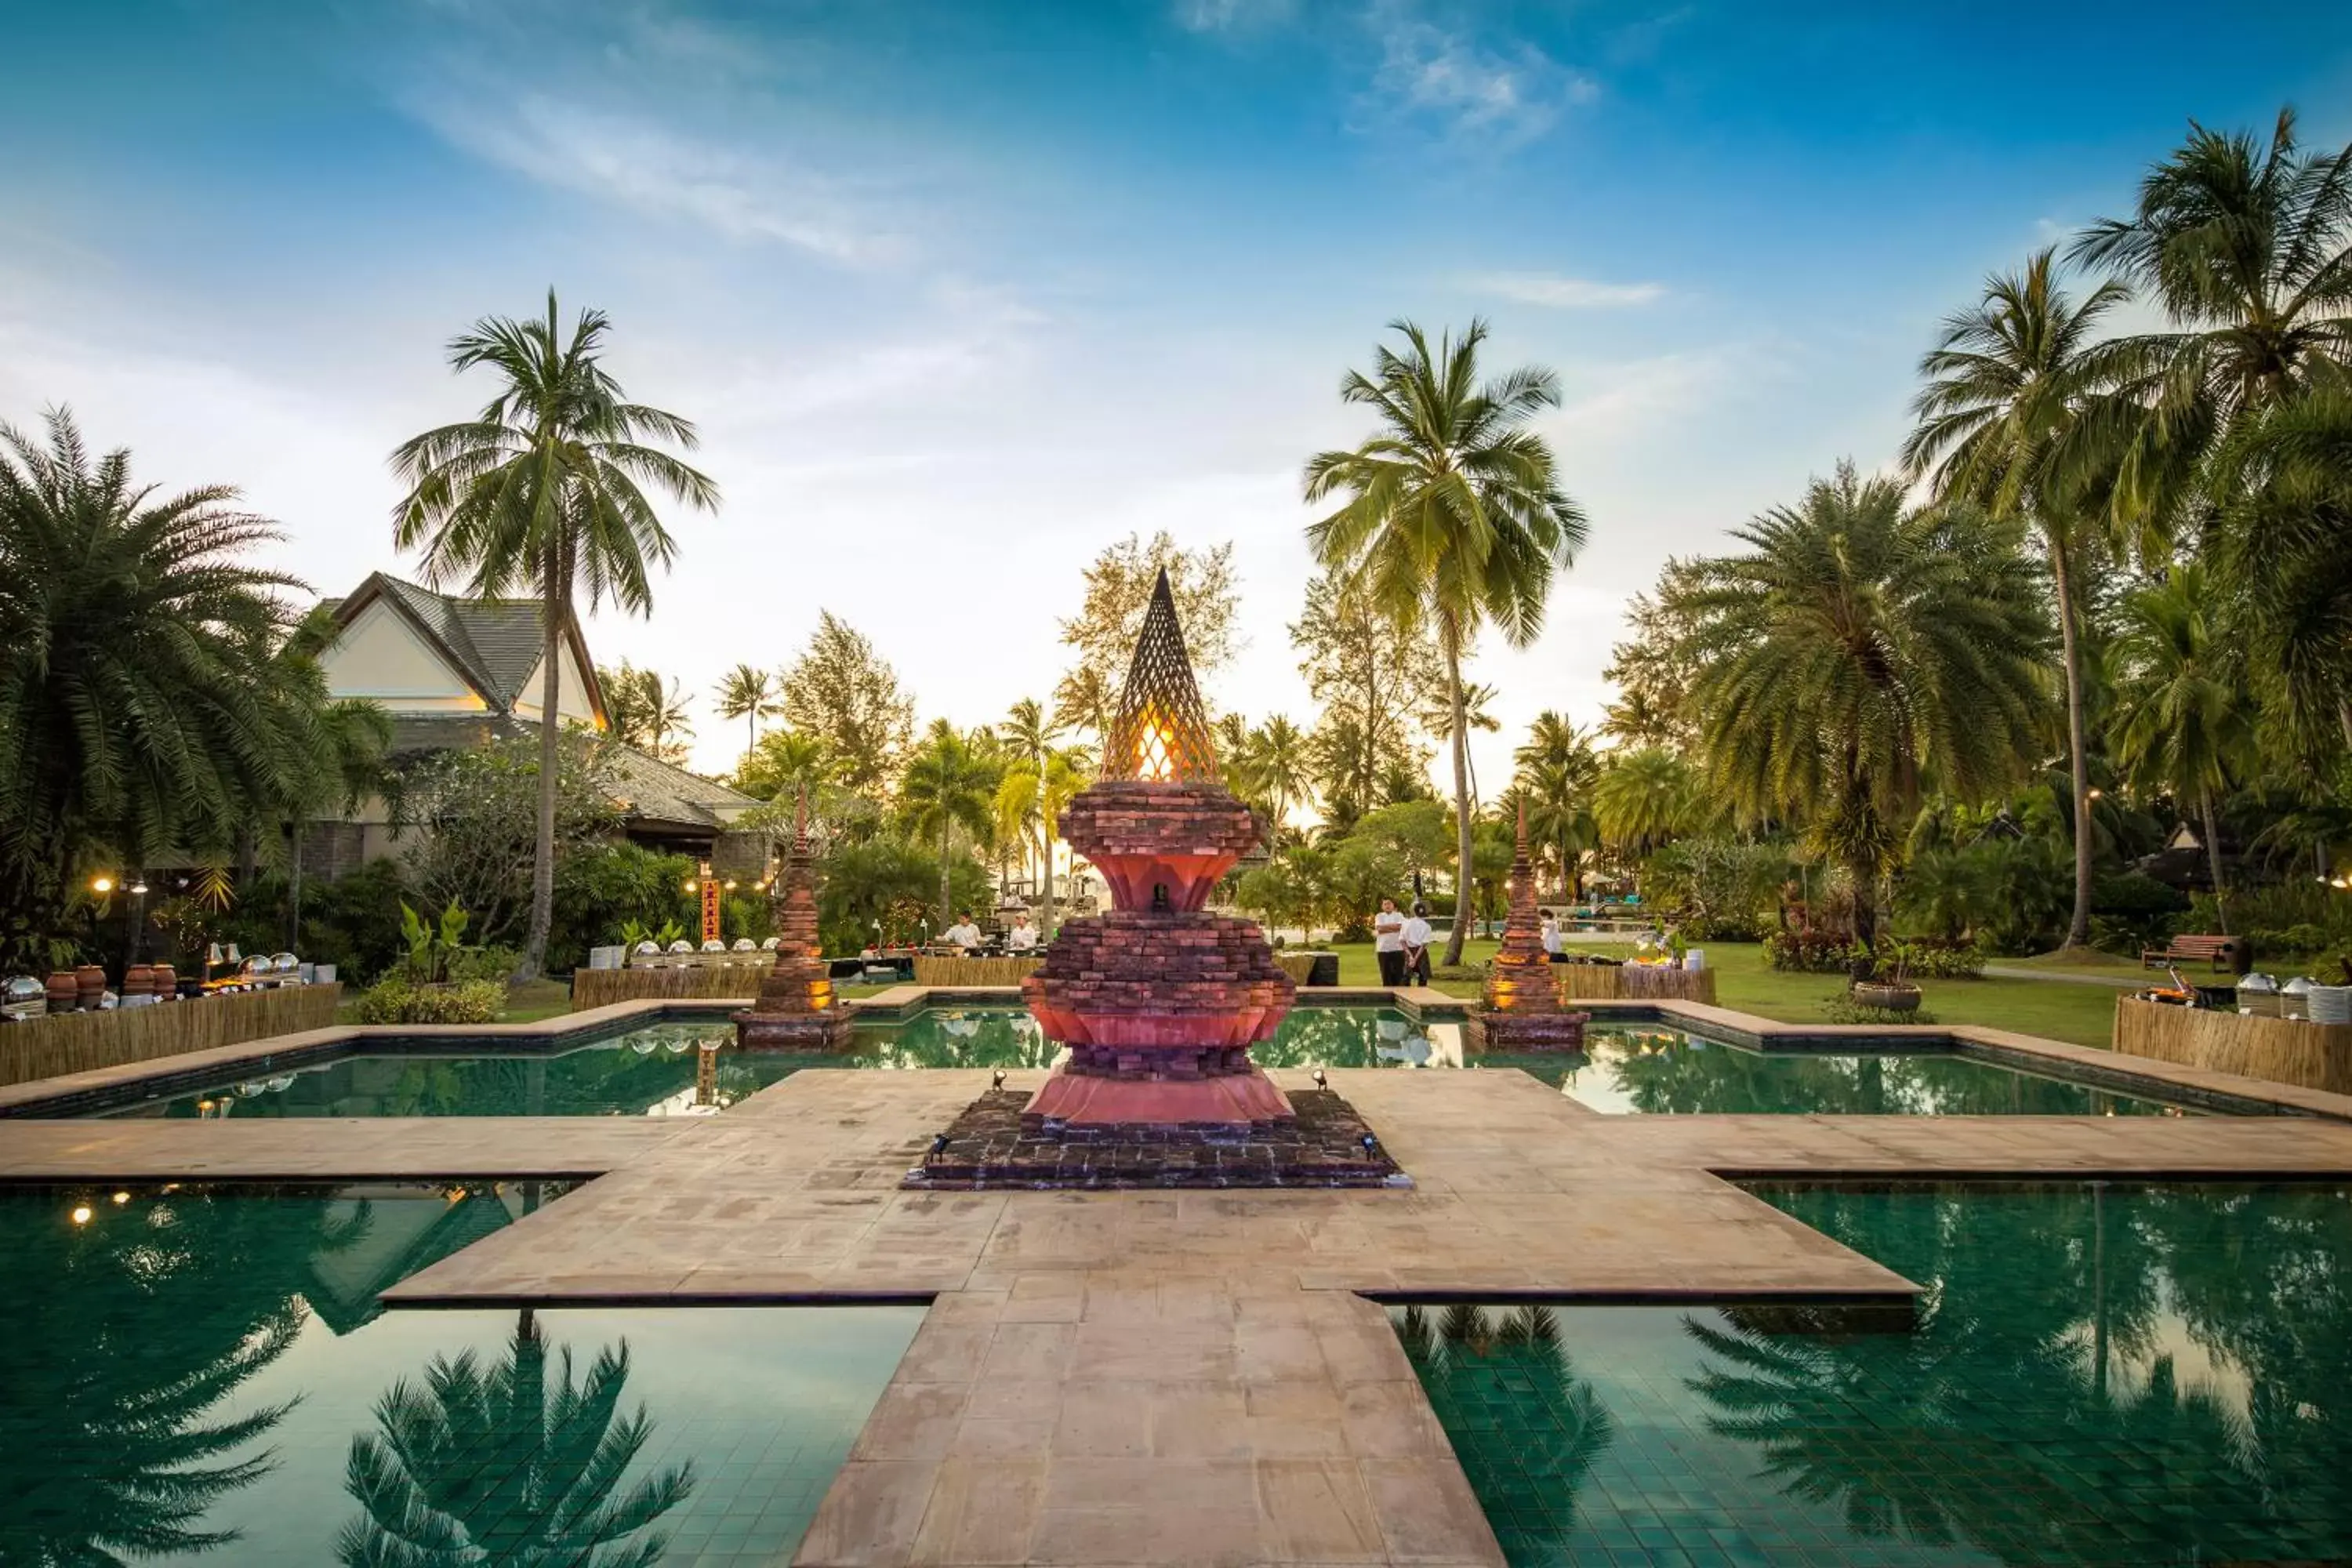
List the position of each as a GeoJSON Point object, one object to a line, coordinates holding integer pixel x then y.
{"type": "Point", "coordinates": [2009, 420]}
{"type": "Point", "coordinates": [749, 693]}
{"type": "Point", "coordinates": [1644, 799]}
{"type": "Point", "coordinates": [786, 762]}
{"type": "Point", "coordinates": [1860, 651]}
{"type": "Point", "coordinates": [507, 1467]}
{"type": "Point", "coordinates": [1558, 768]}
{"type": "Point", "coordinates": [644, 710]}
{"type": "Point", "coordinates": [1455, 512]}
{"type": "Point", "coordinates": [1284, 766]}
{"type": "Point", "coordinates": [2184, 728]}
{"type": "Point", "coordinates": [544, 490]}
{"type": "Point", "coordinates": [139, 703]}
{"type": "Point", "coordinates": [947, 787]}
{"type": "Point", "coordinates": [2249, 251]}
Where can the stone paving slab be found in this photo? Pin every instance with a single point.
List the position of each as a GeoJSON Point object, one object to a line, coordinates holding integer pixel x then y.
{"type": "Point", "coordinates": [326, 1149]}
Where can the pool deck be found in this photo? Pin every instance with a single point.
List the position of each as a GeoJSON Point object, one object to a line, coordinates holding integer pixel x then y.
{"type": "Point", "coordinates": [1142, 1377]}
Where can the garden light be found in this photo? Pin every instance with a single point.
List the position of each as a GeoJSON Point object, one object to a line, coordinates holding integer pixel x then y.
{"type": "Point", "coordinates": [81, 1214]}
{"type": "Point", "coordinates": [101, 884]}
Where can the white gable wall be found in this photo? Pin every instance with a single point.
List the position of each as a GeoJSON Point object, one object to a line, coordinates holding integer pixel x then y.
{"type": "Point", "coordinates": [382, 658]}
{"type": "Point", "coordinates": [572, 691]}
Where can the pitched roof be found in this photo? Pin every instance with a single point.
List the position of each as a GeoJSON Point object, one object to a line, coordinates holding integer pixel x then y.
{"type": "Point", "coordinates": [645, 788]}
{"type": "Point", "coordinates": [493, 642]}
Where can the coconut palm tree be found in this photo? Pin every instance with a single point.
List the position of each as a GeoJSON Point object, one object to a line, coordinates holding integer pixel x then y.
{"type": "Point", "coordinates": [2184, 727]}
{"type": "Point", "coordinates": [1453, 511]}
{"type": "Point", "coordinates": [749, 693]}
{"type": "Point", "coordinates": [139, 705]}
{"type": "Point", "coordinates": [2009, 419]}
{"type": "Point", "coordinates": [1644, 799]}
{"type": "Point", "coordinates": [2248, 248]}
{"type": "Point", "coordinates": [545, 491]}
{"type": "Point", "coordinates": [512, 1465]}
{"type": "Point", "coordinates": [1284, 766]}
{"type": "Point", "coordinates": [948, 786]}
{"type": "Point", "coordinates": [1860, 651]}
{"type": "Point", "coordinates": [1556, 769]}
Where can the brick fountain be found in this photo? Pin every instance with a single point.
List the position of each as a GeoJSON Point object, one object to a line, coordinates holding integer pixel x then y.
{"type": "Point", "coordinates": [1159, 1001]}
{"type": "Point", "coordinates": [797, 1009]}
{"type": "Point", "coordinates": [1523, 1011]}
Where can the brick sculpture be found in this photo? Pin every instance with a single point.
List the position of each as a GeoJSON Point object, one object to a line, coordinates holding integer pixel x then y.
{"type": "Point", "coordinates": [1522, 1010]}
{"type": "Point", "coordinates": [796, 1010]}
{"type": "Point", "coordinates": [1158, 1001]}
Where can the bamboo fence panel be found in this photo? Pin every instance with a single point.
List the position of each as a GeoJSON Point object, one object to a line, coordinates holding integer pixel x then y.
{"type": "Point", "coordinates": [669, 983]}
{"type": "Point", "coordinates": [2283, 1050]}
{"type": "Point", "coordinates": [80, 1042]}
{"type": "Point", "coordinates": [960, 972]}
{"type": "Point", "coordinates": [1634, 983]}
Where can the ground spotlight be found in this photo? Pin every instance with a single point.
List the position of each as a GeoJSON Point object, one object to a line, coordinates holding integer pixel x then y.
{"type": "Point", "coordinates": [997, 1079]}
{"type": "Point", "coordinates": [1321, 1081]}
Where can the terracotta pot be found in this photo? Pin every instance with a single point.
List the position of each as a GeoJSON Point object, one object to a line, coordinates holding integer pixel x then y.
{"type": "Point", "coordinates": [139, 980]}
{"type": "Point", "coordinates": [1886, 997]}
{"type": "Point", "coordinates": [90, 982]}
{"type": "Point", "coordinates": [62, 991]}
{"type": "Point", "coordinates": [166, 983]}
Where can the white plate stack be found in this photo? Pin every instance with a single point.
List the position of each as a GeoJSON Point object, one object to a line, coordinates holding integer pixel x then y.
{"type": "Point", "coordinates": [2330, 1003]}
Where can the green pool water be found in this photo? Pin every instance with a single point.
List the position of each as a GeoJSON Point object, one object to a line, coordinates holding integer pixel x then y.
{"type": "Point", "coordinates": [656, 1070]}
{"type": "Point", "coordinates": [1651, 1069]}
{"type": "Point", "coordinates": [2099, 1374]}
{"type": "Point", "coordinates": [202, 1376]}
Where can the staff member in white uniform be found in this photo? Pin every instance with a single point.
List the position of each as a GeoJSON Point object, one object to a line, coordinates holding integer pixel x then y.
{"type": "Point", "coordinates": [1022, 937]}
{"type": "Point", "coordinates": [1387, 943]}
{"type": "Point", "coordinates": [963, 933]}
{"type": "Point", "coordinates": [1415, 937]}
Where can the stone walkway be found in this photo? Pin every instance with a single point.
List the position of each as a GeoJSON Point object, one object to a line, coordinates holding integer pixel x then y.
{"type": "Point", "coordinates": [1163, 1377]}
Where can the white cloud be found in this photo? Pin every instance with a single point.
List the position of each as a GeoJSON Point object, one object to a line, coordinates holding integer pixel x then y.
{"type": "Point", "coordinates": [1229, 16]}
{"type": "Point", "coordinates": [663, 174]}
{"type": "Point", "coordinates": [1566, 293]}
{"type": "Point", "coordinates": [1473, 91]}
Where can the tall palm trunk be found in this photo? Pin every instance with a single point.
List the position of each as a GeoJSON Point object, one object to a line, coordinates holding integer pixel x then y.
{"type": "Point", "coordinates": [947, 915]}
{"type": "Point", "coordinates": [553, 603]}
{"type": "Point", "coordinates": [2078, 929]}
{"type": "Point", "coordinates": [1450, 635]}
{"type": "Point", "coordinates": [1046, 905]}
{"type": "Point", "coordinates": [2213, 859]}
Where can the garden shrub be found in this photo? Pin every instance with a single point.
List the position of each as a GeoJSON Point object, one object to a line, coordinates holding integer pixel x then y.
{"type": "Point", "coordinates": [1846, 1010]}
{"type": "Point", "coordinates": [401, 1001]}
{"type": "Point", "coordinates": [1920, 958]}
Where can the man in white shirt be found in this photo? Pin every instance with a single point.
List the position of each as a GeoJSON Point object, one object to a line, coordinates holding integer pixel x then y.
{"type": "Point", "coordinates": [1415, 937]}
{"type": "Point", "coordinates": [963, 933]}
{"type": "Point", "coordinates": [1387, 943]}
{"type": "Point", "coordinates": [1554, 944]}
{"type": "Point", "coordinates": [1022, 937]}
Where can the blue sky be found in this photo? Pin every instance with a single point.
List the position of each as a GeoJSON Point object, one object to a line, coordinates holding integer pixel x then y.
{"type": "Point", "coordinates": [960, 292]}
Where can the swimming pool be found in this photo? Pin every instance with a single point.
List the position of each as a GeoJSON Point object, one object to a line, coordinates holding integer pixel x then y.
{"type": "Point", "coordinates": [202, 1375]}
{"type": "Point", "coordinates": [689, 1066]}
{"type": "Point", "coordinates": [2100, 1374]}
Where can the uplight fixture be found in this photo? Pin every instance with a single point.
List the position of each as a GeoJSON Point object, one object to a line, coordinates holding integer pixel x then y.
{"type": "Point", "coordinates": [101, 884]}
{"type": "Point", "coordinates": [2092, 794]}
{"type": "Point", "coordinates": [689, 884]}
{"type": "Point", "coordinates": [80, 1215]}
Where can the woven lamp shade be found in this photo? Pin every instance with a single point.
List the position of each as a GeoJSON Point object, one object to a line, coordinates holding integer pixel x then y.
{"type": "Point", "coordinates": [1161, 734]}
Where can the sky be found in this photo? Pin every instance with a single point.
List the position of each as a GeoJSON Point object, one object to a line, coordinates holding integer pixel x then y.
{"type": "Point", "coordinates": [959, 293]}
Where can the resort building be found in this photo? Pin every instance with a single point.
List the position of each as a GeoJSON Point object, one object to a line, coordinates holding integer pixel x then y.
{"type": "Point", "coordinates": [456, 672]}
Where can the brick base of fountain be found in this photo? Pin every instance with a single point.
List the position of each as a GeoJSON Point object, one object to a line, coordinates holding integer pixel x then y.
{"type": "Point", "coordinates": [1321, 1143]}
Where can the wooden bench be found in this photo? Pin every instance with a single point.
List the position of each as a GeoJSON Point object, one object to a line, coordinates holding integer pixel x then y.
{"type": "Point", "coordinates": [2222, 952]}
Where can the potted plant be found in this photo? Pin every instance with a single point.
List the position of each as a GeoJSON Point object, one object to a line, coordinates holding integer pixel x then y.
{"type": "Point", "coordinates": [1887, 987]}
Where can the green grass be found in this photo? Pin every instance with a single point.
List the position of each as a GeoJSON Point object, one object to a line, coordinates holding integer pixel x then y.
{"type": "Point", "coordinates": [2079, 1015]}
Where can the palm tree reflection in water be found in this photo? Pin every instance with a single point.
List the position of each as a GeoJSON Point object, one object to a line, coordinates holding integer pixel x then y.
{"type": "Point", "coordinates": [1474, 1360]}
{"type": "Point", "coordinates": [2098, 1376]}
{"type": "Point", "coordinates": [507, 1467]}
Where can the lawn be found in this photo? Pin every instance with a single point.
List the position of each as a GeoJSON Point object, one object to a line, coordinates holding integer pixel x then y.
{"type": "Point", "coordinates": [2053, 1009]}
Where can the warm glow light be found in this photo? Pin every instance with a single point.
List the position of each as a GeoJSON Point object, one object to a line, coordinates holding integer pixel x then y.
{"type": "Point", "coordinates": [122, 1198]}
{"type": "Point", "coordinates": [81, 1214]}
{"type": "Point", "coordinates": [689, 884]}
{"type": "Point", "coordinates": [2092, 794]}
{"type": "Point", "coordinates": [101, 884]}
{"type": "Point", "coordinates": [730, 884]}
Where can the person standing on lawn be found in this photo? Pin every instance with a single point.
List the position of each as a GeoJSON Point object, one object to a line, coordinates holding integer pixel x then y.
{"type": "Point", "coordinates": [1387, 943]}
{"type": "Point", "coordinates": [1415, 937]}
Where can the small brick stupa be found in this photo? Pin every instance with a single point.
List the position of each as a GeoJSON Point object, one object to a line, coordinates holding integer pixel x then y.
{"type": "Point", "coordinates": [1158, 1001]}
{"type": "Point", "coordinates": [1522, 1010]}
{"type": "Point", "coordinates": [797, 1010]}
